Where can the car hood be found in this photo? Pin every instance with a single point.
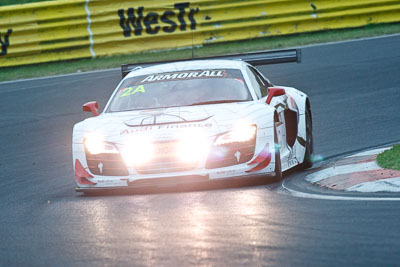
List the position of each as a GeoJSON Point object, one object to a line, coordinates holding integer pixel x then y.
{"type": "Point", "coordinates": [165, 124]}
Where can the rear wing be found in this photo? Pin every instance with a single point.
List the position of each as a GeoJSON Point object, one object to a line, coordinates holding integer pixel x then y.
{"type": "Point", "coordinates": [253, 58]}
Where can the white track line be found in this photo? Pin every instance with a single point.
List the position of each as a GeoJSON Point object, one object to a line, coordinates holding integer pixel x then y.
{"type": "Point", "coordinates": [349, 41]}
{"type": "Point", "coordinates": [328, 197]}
{"type": "Point", "coordinates": [369, 152]}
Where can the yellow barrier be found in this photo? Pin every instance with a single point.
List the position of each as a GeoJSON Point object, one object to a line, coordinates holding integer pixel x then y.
{"type": "Point", "coordinates": [72, 29]}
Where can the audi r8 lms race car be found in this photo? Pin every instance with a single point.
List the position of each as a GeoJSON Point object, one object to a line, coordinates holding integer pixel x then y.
{"type": "Point", "coordinates": [194, 121]}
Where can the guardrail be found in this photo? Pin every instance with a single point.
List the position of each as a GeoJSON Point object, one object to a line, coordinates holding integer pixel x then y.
{"type": "Point", "coordinates": [72, 29]}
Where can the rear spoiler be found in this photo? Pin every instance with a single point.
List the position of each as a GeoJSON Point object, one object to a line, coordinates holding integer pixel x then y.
{"type": "Point", "coordinates": [253, 58]}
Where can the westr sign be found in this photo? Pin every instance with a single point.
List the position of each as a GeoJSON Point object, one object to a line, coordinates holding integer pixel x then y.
{"type": "Point", "coordinates": [4, 42]}
{"type": "Point", "coordinates": [136, 20]}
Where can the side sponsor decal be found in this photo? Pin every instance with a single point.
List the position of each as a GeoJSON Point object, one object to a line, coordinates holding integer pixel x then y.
{"type": "Point", "coordinates": [135, 20]}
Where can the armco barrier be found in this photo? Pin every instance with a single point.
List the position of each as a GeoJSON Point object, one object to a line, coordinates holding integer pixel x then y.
{"type": "Point", "coordinates": [71, 29]}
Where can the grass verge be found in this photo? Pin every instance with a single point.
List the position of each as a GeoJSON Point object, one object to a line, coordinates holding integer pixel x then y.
{"type": "Point", "coordinates": [19, 2]}
{"type": "Point", "coordinates": [390, 159]}
{"type": "Point", "coordinates": [81, 65]}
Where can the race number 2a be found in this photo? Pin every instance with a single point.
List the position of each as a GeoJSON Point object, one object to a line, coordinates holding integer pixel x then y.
{"type": "Point", "coordinates": [128, 90]}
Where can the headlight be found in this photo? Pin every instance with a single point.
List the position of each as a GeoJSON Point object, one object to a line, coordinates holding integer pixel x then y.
{"type": "Point", "coordinates": [241, 133]}
{"type": "Point", "coordinates": [95, 144]}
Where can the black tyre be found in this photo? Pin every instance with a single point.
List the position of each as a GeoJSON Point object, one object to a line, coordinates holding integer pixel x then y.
{"type": "Point", "coordinates": [307, 163]}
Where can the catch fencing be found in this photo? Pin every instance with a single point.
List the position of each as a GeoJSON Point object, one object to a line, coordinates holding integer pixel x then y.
{"type": "Point", "coordinates": [72, 29]}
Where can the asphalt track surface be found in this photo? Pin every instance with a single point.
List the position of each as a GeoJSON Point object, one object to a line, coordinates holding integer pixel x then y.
{"type": "Point", "coordinates": [355, 95]}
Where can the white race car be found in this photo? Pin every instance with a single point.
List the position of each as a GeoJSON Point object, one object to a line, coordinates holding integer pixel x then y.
{"type": "Point", "coordinates": [194, 121]}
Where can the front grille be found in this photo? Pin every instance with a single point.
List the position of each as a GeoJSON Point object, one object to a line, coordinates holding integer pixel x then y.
{"type": "Point", "coordinates": [165, 161]}
{"type": "Point", "coordinates": [106, 164]}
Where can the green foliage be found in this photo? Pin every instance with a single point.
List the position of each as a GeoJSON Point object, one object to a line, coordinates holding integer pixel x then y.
{"type": "Point", "coordinates": [18, 2]}
{"type": "Point", "coordinates": [390, 159]}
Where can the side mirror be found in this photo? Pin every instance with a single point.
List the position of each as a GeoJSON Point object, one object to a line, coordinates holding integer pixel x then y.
{"type": "Point", "coordinates": [91, 107]}
{"type": "Point", "coordinates": [274, 91]}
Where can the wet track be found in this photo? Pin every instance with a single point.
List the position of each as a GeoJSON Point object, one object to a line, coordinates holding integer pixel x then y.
{"type": "Point", "coordinates": [354, 89]}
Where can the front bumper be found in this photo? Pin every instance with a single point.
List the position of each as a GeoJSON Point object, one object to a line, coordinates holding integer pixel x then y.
{"type": "Point", "coordinates": [177, 183]}
{"type": "Point", "coordinates": [243, 166]}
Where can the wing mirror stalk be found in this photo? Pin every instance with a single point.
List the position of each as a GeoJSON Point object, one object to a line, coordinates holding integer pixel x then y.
{"type": "Point", "coordinates": [91, 107]}
{"type": "Point", "coordinates": [274, 91]}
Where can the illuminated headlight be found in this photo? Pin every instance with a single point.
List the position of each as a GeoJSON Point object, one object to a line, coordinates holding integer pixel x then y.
{"type": "Point", "coordinates": [138, 150]}
{"type": "Point", "coordinates": [193, 145]}
{"type": "Point", "coordinates": [95, 144]}
{"type": "Point", "coordinates": [240, 133]}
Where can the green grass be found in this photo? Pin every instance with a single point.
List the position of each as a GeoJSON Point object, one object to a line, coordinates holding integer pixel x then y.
{"type": "Point", "coordinates": [47, 69]}
{"type": "Point", "coordinates": [18, 2]}
{"type": "Point", "coordinates": [390, 159]}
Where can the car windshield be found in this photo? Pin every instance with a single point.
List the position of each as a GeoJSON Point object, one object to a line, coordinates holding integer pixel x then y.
{"type": "Point", "coordinates": [184, 88]}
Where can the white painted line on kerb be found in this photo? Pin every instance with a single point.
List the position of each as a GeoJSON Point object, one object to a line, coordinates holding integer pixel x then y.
{"type": "Point", "coordinates": [89, 30]}
{"type": "Point", "coordinates": [369, 152]}
{"type": "Point", "coordinates": [384, 185]}
{"type": "Point", "coordinates": [330, 197]}
{"type": "Point", "coordinates": [339, 170]}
